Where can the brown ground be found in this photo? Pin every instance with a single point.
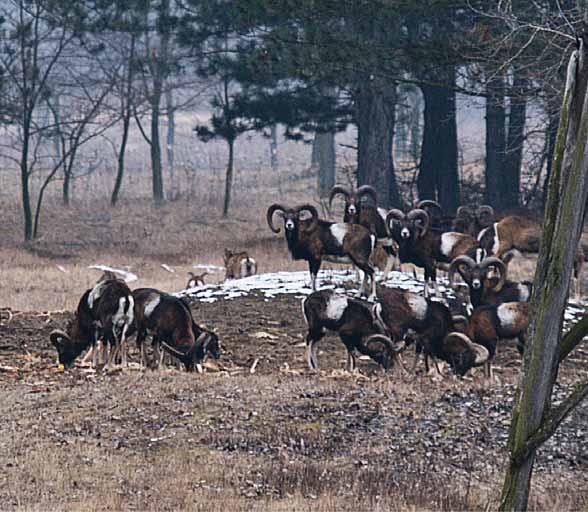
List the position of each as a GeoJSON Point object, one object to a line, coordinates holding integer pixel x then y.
{"type": "Point", "coordinates": [281, 438]}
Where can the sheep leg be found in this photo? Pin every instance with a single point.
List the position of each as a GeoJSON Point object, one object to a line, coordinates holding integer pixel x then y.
{"type": "Point", "coordinates": [311, 352]}
{"type": "Point", "coordinates": [521, 341]}
{"type": "Point", "coordinates": [124, 348]}
{"type": "Point", "coordinates": [390, 258]}
{"type": "Point", "coordinates": [350, 366]}
{"type": "Point", "coordinates": [314, 267]}
{"type": "Point", "coordinates": [417, 355]}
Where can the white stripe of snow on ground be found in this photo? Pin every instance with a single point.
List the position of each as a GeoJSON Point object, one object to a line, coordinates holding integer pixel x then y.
{"type": "Point", "coordinates": [298, 283]}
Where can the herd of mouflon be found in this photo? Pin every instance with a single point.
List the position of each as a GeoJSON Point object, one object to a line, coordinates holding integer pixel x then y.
{"type": "Point", "coordinates": [379, 322]}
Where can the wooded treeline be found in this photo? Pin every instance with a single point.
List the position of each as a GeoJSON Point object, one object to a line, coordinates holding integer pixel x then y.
{"type": "Point", "coordinates": [71, 70]}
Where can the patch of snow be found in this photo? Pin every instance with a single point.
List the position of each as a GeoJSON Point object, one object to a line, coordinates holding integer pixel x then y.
{"type": "Point", "coordinates": [129, 277]}
{"type": "Point", "coordinates": [273, 284]}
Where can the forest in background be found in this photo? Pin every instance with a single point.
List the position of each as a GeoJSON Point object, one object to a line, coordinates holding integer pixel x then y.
{"type": "Point", "coordinates": [386, 74]}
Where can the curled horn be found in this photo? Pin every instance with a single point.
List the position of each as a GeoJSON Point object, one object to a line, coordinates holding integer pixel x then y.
{"type": "Point", "coordinates": [417, 214]}
{"type": "Point", "coordinates": [270, 214]}
{"type": "Point", "coordinates": [392, 347]}
{"type": "Point", "coordinates": [173, 351]}
{"type": "Point", "coordinates": [338, 189]}
{"type": "Point", "coordinates": [367, 190]}
{"type": "Point", "coordinates": [457, 342]}
{"type": "Point", "coordinates": [56, 334]}
{"type": "Point", "coordinates": [456, 264]}
{"type": "Point", "coordinates": [485, 215]}
{"type": "Point", "coordinates": [499, 265]}
{"type": "Point", "coordinates": [464, 212]}
{"type": "Point", "coordinates": [428, 203]}
{"type": "Point", "coordinates": [313, 211]}
{"type": "Point", "coordinates": [394, 214]}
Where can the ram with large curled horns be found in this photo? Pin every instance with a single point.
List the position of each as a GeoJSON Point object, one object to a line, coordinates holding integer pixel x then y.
{"type": "Point", "coordinates": [315, 240]}
{"type": "Point", "coordinates": [423, 247]}
{"type": "Point", "coordinates": [487, 289]}
{"type": "Point", "coordinates": [360, 211]}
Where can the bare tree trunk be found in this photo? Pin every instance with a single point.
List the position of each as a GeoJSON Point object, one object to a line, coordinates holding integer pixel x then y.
{"type": "Point", "coordinates": [229, 179]}
{"type": "Point", "coordinates": [375, 106]}
{"type": "Point", "coordinates": [325, 148]}
{"type": "Point", "coordinates": [514, 143]}
{"type": "Point", "coordinates": [274, 148]}
{"type": "Point", "coordinates": [170, 141]}
{"type": "Point", "coordinates": [533, 418]}
{"type": "Point", "coordinates": [127, 112]}
{"type": "Point", "coordinates": [24, 179]}
{"type": "Point", "coordinates": [156, 171]}
{"type": "Point", "coordinates": [438, 172]}
{"type": "Point", "coordinates": [120, 171]}
{"type": "Point", "coordinates": [495, 143]}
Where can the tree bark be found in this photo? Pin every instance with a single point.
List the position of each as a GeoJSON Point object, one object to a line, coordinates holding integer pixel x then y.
{"type": "Point", "coordinates": [127, 112]}
{"type": "Point", "coordinates": [325, 147]}
{"type": "Point", "coordinates": [170, 141]}
{"type": "Point", "coordinates": [24, 179]}
{"type": "Point", "coordinates": [274, 147]}
{"type": "Point", "coordinates": [438, 171]}
{"type": "Point", "coordinates": [495, 143]}
{"type": "Point", "coordinates": [551, 135]}
{"type": "Point", "coordinates": [515, 142]}
{"type": "Point", "coordinates": [375, 116]}
{"type": "Point", "coordinates": [532, 419]}
{"type": "Point", "coordinates": [229, 178]}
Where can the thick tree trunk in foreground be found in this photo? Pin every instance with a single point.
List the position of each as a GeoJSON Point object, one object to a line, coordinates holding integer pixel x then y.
{"type": "Point", "coordinates": [375, 105]}
{"type": "Point", "coordinates": [438, 177]}
{"type": "Point", "coordinates": [495, 143]}
{"type": "Point", "coordinates": [533, 419]}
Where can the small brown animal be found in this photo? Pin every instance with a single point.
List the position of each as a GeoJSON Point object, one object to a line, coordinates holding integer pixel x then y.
{"type": "Point", "coordinates": [195, 280]}
{"type": "Point", "coordinates": [239, 265]}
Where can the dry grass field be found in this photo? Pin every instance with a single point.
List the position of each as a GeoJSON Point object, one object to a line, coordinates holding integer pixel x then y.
{"type": "Point", "coordinates": [282, 438]}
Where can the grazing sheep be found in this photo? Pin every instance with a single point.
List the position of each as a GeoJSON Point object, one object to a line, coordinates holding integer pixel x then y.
{"type": "Point", "coordinates": [105, 311]}
{"type": "Point", "coordinates": [431, 322]}
{"type": "Point", "coordinates": [170, 322]}
{"type": "Point", "coordinates": [353, 321]}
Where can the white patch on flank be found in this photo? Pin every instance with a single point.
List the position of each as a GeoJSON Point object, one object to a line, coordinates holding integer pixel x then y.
{"type": "Point", "coordinates": [448, 241]}
{"type": "Point", "coordinates": [523, 292]}
{"type": "Point", "coordinates": [496, 245]}
{"type": "Point", "coordinates": [479, 255]}
{"type": "Point", "coordinates": [418, 305]}
{"type": "Point", "coordinates": [373, 239]}
{"type": "Point", "coordinates": [507, 314]}
{"type": "Point", "coordinates": [151, 305]}
{"type": "Point", "coordinates": [339, 231]}
{"type": "Point", "coordinates": [382, 213]}
{"type": "Point", "coordinates": [335, 306]}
